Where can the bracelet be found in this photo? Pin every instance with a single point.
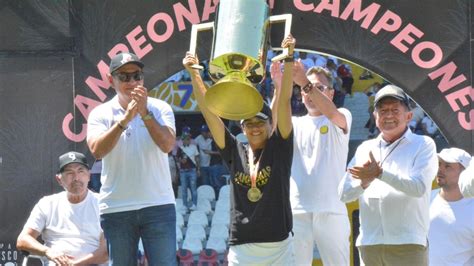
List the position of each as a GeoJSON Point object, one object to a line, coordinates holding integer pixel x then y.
{"type": "Point", "coordinates": [148, 116]}
{"type": "Point", "coordinates": [308, 87]}
{"type": "Point", "coordinates": [120, 126]}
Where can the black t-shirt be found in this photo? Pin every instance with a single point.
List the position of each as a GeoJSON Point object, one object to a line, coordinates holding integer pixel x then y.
{"type": "Point", "coordinates": [270, 218]}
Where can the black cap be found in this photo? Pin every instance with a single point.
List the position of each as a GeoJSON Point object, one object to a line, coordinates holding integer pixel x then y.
{"type": "Point", "coordinates": [264, 114]}
{"type": "Point", "coordinates": [393, 92]}
{"type": "Point", "coordinates": [122, 59]}
{"type": "Point", "coordinates": [72, 157]}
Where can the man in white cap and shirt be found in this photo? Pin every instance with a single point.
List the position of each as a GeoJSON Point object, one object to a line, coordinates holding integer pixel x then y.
{"type": "Point", "coordinates": [451, 234]}
{"type": "Point", "coordinates": [391, 176]}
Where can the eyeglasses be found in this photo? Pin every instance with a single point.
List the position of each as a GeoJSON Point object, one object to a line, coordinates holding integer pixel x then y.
{"type": "Point", "coordinates": [126, 77]}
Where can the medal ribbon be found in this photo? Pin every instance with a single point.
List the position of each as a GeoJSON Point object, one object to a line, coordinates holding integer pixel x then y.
{"type": "Point", "coordinates": [253, 168]}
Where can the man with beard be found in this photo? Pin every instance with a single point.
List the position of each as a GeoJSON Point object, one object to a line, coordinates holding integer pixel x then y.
{"type": "Point", "coordinates": [68, 221]}
{"type": "Point", "coordinates": [451, 234]}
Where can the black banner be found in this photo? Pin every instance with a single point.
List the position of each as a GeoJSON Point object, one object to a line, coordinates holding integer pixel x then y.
{"type": "Point", "coordinates": [54, 56]}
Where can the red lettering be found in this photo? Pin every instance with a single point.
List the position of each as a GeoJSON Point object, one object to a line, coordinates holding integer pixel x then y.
{"type": "Point", "coordinates": [85, 105]}
{"type": "Point", "coordinates": [301, 6]}
{"type": "Point", "coordinates": [446, 73]}
{"type": "Point", "coordinates": [435, 60]}
{"type": "Point", "coordinates": [136, 43]}
{"type": "Point", "coordinates": [154, 36]}
{"type": "Point", "coordinates": [404, 35]}
{"type": "Point", "coordinates": [117, 49]}
{"type": "Point", "coordinates": [71, 135]}
{"type": "Point", "coordinates": [367, 14]}
{"type": "Point", "coordinates": [95, 84]}
{"type": "Point", "coordinates": [466, 124]}
{"type": "Point", "coordinates": [460, 95]}
{"type": "Point", "coordinates": [191, 15]}
{"type": "Point", "coordinates": [325, 5]}
{"type": "Point", "coordinates": [389, 22]}
{"type": "Point", "coordinates": [208, 9]}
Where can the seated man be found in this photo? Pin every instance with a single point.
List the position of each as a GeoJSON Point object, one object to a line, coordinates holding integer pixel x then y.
{"type": "Point", "coordinates": [67, 221]}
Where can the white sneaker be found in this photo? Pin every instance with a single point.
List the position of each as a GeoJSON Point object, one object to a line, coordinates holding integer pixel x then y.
{"type": "Point", "coordinates": [193, 207]}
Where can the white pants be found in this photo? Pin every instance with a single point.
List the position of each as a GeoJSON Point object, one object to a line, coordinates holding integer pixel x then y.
{"type": "Point", "coordinates": [271, 253]}
{"type": "Point", "coordinates": [329, 231]}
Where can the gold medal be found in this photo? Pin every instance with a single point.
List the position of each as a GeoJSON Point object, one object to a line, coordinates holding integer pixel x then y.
{"type": "Point", "coordinates": [254, 194]}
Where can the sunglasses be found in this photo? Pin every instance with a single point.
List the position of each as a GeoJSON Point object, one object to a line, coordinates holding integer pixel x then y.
{"type": "Point", "coordinates": [318, 86]}
{"type": "Point", "coordinates": [126, 77]}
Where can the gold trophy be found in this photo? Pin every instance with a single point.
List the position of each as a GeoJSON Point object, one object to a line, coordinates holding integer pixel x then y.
{"type": "Point", "coordinates": [239, 50]}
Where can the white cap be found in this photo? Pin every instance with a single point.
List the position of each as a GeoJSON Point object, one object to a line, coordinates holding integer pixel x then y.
{"type": "Point", "coordinates": [455, 155]}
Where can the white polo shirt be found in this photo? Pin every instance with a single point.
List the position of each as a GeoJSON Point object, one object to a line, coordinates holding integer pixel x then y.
{"type": "Point", "coordinates": [319, 162]}
{"type": "Point", "coordinates": [394, 209]}
{"type": "Point", "coordinates": [135, 173]}
{"type": "Point", "coordinates": [466, 181]}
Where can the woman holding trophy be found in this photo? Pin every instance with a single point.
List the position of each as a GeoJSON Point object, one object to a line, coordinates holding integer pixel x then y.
{"type": "Point", "coordinates": [261, 219]}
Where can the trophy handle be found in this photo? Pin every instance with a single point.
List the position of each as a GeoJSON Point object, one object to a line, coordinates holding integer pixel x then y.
{"type": "Point", "coordinates": [194, 32]}
{"type": "Point", "coordinates": [287, 19]}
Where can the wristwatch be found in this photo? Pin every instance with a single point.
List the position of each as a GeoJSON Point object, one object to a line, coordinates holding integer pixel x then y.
{"type": "Point", "coordinates": [148, 116]}
{"type": "Point", "coordinates": [308, 87]}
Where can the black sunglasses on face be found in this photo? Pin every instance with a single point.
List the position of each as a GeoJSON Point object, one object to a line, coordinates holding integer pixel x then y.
{"type": "Point", "coordinates": [318, 86]}
{"type": "Point", "coordinates": [126, 77]}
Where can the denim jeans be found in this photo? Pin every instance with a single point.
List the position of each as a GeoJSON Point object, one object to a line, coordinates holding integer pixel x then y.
{"type": "Point", "coordinates": [188, 179]}
{"type": "Point", "coordinates": [204, 178]}
{"type": "Point", "coordinates": [215, 177]}
{"type": "Point", "coordinates": [156, 226]}
{"type": "Point", "coordinates": [94, 183]}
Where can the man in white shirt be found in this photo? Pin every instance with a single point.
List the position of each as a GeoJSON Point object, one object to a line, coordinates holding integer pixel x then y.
{"type": "Point", "coordinates": [466, 181]}
{"type": "Point", "coordinates": [188, 163]}
{"type": "Point", "coordinates": [391, 176]}
{"type": "Point", "coordinates": [204, 143]}
{"type": "Point", "coordinates": [321, 144]}
{"type": "Point", "coordinates": [68, 221]}
{"type": "Point", "coordinates": [133, 134]}
{"type": "Point", "coordinates": [451, 234]}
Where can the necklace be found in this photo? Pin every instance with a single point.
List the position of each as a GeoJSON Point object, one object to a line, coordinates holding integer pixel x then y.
{"type": "Point", "coordinates": [390, 152]}
{"type": "Point", "coordinates": [253, 194]}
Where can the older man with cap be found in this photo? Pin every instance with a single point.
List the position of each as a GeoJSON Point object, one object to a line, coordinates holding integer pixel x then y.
{"type": "Point", "coordinates": [68, 222]}
{"type": "Point", "coordinates": [451, 234]}
{"type": "Point", "coordinates": [391, 176]}
{"type": "Point", "coordinates": [260, 212]}
{"type": "Point", "coordinates": [133, 133]}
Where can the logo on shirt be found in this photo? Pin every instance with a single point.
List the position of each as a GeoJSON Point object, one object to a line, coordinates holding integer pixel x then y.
{"type": "Point", "coordinates": [243, 179]}
{"type": "Point", "coordinates": [324, 130]}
